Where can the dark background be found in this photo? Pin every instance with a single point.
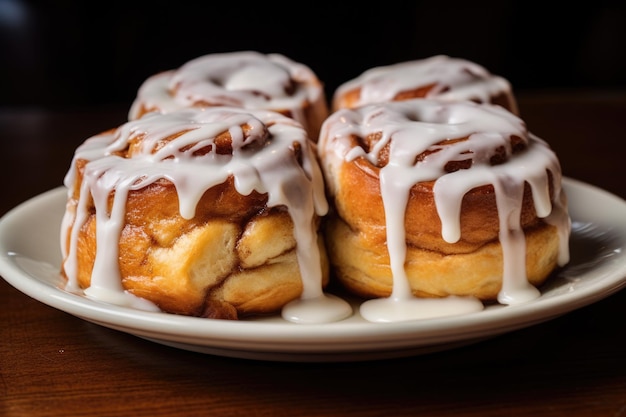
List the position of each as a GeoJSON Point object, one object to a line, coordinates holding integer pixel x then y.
{"type": "Point", "coordinates": [68, 54]}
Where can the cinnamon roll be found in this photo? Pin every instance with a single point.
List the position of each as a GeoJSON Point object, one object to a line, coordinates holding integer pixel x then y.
{"type": "Point", "coordinates": [439, 76]}
{"type": "Point", "coordinates": [205, 212]}
{"type": "Point", "coordinates": [435, 199]}
{"type": "Point", "coordinates": [246, 79]}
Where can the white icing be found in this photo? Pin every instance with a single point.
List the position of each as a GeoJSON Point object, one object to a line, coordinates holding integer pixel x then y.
{"type": "Point", "coordinates": [324, 309]}
{"type": "Point", "coordinates": [414, 126]}
{"type": "Point", "coordinates": [452, 79]}
{"type": "Point", "coordinates": [268, 168]}
{"type": "Point", "coordinates": [245, 79]}
{"type": "Point", "coordinates": [400, 308]}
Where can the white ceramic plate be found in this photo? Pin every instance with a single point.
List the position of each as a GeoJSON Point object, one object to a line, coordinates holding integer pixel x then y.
{"type": "Point", "coordinates": [30, 258]}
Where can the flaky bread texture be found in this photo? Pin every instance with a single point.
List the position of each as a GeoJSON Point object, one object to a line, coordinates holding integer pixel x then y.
{"type": "Point", "coordinates": [235, 258]}
{"type": "Point", "coordinates": [361, 264]}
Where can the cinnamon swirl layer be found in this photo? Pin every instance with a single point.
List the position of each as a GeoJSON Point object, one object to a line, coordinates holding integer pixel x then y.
{"type": "Point", "coordinates": [439, 198]}
{"type": "Point", "coordinates": [439, 76]}
{"type": "Point", "coordinates": [246, 79]}
{"type": "Point", "coordinates": [211, 213]}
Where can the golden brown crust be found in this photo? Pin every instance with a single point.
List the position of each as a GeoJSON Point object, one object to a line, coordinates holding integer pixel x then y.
{"type": "Point", "coordinates": [361, 264]}
{"type": "Point", "coordinates": [357, 228]}
{"type": "Point", "coordinates": [439, 76]}
{"type": "Point", "coordinates": [357, 241]}
{"type": "Point", "coordinates": [236, 253]}
{"type": "Point", "coordinates": [358, 202]}
{"type": "Point", "coordinates": [352, 98]}
{"type": "Point", "coordinates": [236, 257]}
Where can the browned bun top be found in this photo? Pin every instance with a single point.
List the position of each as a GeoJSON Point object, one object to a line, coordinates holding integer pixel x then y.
{"type": "Point", "coordinates": [439, 76]}
{"type": "Point", "coordinates": [245, 79]}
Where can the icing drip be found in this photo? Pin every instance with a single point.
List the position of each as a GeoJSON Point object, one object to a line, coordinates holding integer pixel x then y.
{"type": "Point", "coordinates": [450, 78]}
{"type": "Point", "coordinates": [261, 160]}
{"type": "Point", "coordinates": [241, 79]}
{"type": "Point", "coordinates": [413, 127]}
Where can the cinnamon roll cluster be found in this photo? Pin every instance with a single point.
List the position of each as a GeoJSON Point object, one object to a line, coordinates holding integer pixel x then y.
{"type": "Point", "coordinates": [232, 192]}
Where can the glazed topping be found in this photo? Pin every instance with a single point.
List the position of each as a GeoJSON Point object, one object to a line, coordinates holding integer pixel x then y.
{"type": "Point", "coordinates": [439, 76]}
{"type": "Point", "coordinates": [408, 130]}
{"type": "Point", "coordinates": [194, 149]}
{"type": "Point", "coordinates": [242, 79]}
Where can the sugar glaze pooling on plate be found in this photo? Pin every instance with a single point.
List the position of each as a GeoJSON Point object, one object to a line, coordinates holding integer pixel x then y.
{"type": "Point", "coordinates": [415, 126]}
{"type": "Point", "coordinates": [267, 168]}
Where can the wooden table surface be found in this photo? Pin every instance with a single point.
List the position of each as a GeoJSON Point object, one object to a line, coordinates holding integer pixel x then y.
{"type": "Point", "coordinates": [54, 364]}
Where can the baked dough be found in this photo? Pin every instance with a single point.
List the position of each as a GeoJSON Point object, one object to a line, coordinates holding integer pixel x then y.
{"type": "Point", "coordinates": [456, 198]}
{"type": "Point", "coordinates": [440, 76]}
{"type": "Point", "coordinates": [246, 79]}
{"type": "Point", "coordinates": [206, 212]}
